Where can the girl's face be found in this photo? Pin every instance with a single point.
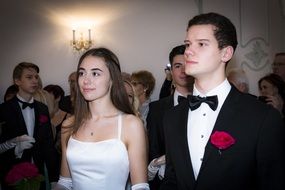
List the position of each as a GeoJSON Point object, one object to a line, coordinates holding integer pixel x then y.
{"type": "Point", "coordinates": [130, 92]}
{"type": "Point", "coordinates": [139, 88]}
{"type": "Point", "coordinates": [267, 89]}
{"type": "Point", "coordinates": [94, 78]}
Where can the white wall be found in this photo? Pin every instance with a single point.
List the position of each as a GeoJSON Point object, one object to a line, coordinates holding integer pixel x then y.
{"type": "Point", "coordinates": [140, 32]}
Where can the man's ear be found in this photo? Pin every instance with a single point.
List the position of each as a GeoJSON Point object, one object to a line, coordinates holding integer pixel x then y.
{"type": "Point", "coordinates": [17, 81]}
{"type": "Point", "coordinates": [227, 53]}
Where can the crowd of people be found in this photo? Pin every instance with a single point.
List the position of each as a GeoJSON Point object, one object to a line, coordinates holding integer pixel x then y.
{"type": "Point", "coordinates": [205, 132]}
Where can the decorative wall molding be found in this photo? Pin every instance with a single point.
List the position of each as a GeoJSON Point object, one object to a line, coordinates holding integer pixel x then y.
{"type": "Point", "coordinates": [257, 57]}
{"type": "Point", "coordinates": [199, 4]}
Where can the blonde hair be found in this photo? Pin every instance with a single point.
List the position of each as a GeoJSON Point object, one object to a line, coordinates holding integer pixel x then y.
{"type": "Point", "coordinates": [46, 98]}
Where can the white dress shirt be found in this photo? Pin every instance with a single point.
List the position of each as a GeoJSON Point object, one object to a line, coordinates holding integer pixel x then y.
{"type": "Point", "coordinates": [175, 97]}
{"type": "Point", "coordinates": [29, 116]}
{"type": "Point", "coordinates": [201, 123]}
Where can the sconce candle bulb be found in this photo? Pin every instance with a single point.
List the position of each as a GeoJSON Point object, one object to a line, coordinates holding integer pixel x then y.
{"type": "Point", "coordinates": [81, 44]}
{"type": "Point", "coordinates": [89, 34]}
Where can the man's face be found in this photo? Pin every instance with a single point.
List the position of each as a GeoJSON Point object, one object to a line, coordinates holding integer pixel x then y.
{"type": "Point", "coordinates": [203, 58]}
{"type": "Point", "coordinates": [29, 81]}
{"type": "Point", "coordinates": [178, 72]}
{"type": "Point", "coordinates": [279, 66]}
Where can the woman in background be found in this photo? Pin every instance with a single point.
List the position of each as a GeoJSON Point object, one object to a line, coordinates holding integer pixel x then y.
{"type": "Point", "coordinates": [103, 125]}
{"type": "Point", "coordinates": [143, 82]}
{"type": "Point", "coordinates": [58, 115]}
{"type": "Point", "coordinates": [272, 91]}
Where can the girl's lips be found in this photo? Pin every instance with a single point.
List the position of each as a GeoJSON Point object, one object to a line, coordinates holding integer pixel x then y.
{"type": "Point", "coordinates": [87, 89]}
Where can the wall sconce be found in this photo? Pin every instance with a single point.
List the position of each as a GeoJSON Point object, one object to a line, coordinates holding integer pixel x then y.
{"type": "Point", "coordinates": [81, 44]}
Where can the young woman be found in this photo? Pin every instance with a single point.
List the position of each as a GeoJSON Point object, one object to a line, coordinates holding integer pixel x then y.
{"type": "Point", "coordinates": [104, 142]}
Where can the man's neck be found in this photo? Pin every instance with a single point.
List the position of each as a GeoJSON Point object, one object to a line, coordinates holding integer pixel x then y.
{"type": "Point", "coordinates": [183, 91]}
{"type": "Point", "coordinates": [26, 96]}
{"type": "Point", "coordinates": [204, 86]}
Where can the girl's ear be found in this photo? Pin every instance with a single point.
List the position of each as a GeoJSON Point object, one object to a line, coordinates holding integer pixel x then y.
{"type": "Point", "coordinates": [227, 53]}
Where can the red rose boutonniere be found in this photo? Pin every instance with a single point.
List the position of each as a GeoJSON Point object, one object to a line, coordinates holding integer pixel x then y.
{"type": "Point", "coordinates": [43, 119]}
{"type": "Point", "coordinates": [222, 140]}
{"type": "Point", "coordinates": [24, 176]}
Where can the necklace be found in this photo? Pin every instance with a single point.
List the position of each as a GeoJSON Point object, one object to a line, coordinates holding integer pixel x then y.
{"type": "Point", "coordinates": [106, 116]}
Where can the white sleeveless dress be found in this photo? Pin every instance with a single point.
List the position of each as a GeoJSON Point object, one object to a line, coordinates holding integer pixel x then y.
{"type": "Point", "coordinates": [102, 165]}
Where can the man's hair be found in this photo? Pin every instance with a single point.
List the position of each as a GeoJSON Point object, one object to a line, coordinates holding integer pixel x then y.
{"type": "Point", "coordinates": [224, 31]}
{"type": "Point", "coordinates": [280, 54]}
{"type": "Point", "coordinates": [146, 79]}
{"type": "Point", "coordinates": [178, 50]}
{"type": "Point", "coordinates": [18, 70]}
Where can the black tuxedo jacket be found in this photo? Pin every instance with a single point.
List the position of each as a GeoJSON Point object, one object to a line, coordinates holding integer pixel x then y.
{"type": "Point", "coordinates": [155, 115]}
{"type": "Point", "coordinates": [255, 161]}
{"type": "Point", "coordinates": [43, 151]}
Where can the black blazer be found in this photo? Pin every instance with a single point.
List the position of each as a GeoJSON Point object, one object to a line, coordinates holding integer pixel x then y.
{"type": "Point", "coordinates": [255, 161]}
{"type": "Point", "coordinates": [43, 150]}
{"type": "Point", "coordinates": [154, 119]}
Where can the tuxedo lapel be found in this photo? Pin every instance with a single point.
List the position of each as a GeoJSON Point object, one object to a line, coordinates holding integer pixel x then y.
{"type": "Point", "coordinates": [182, 129]}
{"type": "Point", "coordinates": [37, 112]}
{"type": "Point", "coordinates": [223, 123]}
{"type": "Point", "coordinates": [19, 116]}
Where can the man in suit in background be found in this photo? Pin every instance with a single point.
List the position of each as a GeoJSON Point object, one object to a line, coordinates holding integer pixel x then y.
{"type": "Point", "coordinates": [24, 116]}
{"type": "Point", "coordinates": [221, 139]}
{"type": "Point", "coordinates": [183, 87]}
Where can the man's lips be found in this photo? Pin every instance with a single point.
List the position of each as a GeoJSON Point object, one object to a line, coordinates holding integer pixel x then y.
{"type": "Point", "coordinates": [191, 62]}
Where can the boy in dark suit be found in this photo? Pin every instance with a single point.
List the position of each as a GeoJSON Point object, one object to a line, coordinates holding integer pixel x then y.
{"type": "Point", "coordinates": [183, 87]}
{"type": "Point", "coordinates": [221, 138]}
{"type": "Point", "coordinates": [22, 116]}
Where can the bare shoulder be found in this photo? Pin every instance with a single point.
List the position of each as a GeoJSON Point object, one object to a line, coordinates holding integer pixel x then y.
{"type": "Point", "coordinates": [132, 121]}
{"type": "Point", "coordinates": [132, 125]}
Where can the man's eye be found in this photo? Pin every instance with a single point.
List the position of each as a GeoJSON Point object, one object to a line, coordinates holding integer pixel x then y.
{"type": "Point", "coordinates": [187, 45]}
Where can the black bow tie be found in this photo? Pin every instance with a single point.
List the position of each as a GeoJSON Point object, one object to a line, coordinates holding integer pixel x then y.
{"type": "Point", "coordinates": [26, 104]}
{"type": "Point", "coordinates": [181, 99]}
{"type": "Point", "coordinates": [195, 101]}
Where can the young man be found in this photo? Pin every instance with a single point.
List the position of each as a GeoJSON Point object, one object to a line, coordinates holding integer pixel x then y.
{"type": "Point", "coordinates": [226, 141]}
{"type": "Point", "coordinates": [22, 115]}
{"type": "Point", "coordinates": [279, 64]}
{"type": "Point", "coordinates": [183, 87]}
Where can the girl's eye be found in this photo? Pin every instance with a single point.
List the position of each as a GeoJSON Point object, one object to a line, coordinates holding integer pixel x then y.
{"type": "Point", "coordinates": [187, 45]}
{"type": "Point", "coordinates": [80, 73]}
{"type": "Point", "coordinates": [95, 74]}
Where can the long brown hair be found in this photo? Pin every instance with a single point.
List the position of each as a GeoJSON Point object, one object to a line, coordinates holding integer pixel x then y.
{"type": "Point", "coordinates": [118, 92]}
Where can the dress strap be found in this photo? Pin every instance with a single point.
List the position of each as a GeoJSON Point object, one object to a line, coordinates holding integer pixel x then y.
{"type": "Point", "coordinates": [119, 126]}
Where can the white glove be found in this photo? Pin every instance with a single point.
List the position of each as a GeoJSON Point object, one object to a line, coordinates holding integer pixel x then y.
{"type": "Point", "coordinates": [161, 171]}
{"type": "Point", "coordinates": [151, 170]}
{"type": "Point", "coordinates": [11, 143]}
{"type": "Point", "coordinates": [140, 186]}
{"type": "Point", "coordinates": [155, 166]}
{"type": "Point", "coordinates": [64, 183]}
{"type": "Point", "coordinates": [23, 142]}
